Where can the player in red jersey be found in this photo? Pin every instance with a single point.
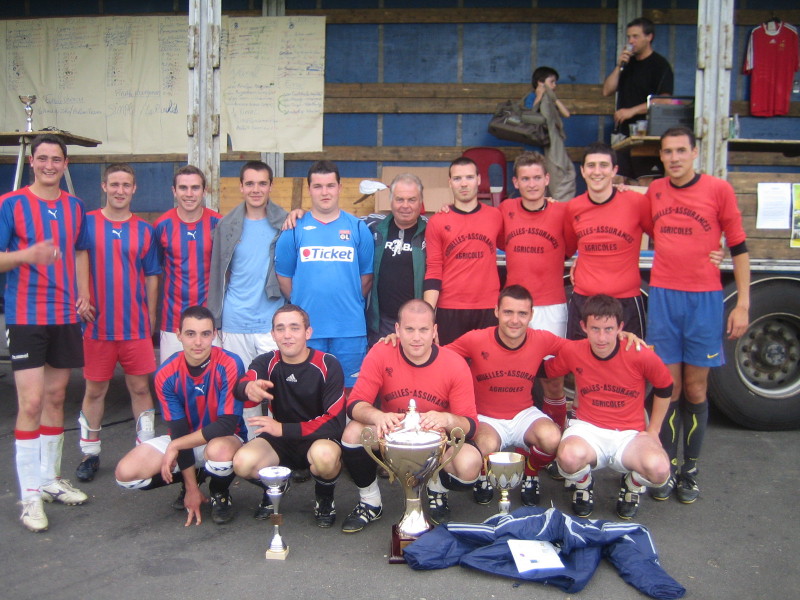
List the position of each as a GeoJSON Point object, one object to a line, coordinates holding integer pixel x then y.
{"type": "Point", "coordinates": [609, 428]}
{"type": "Point", "coordinates": [184, 235]}
{"type": "Point", "coordinates": [690, 213]}
{"type": "Point", "coordinates": [440, 383]}
{"type": "Point", "coordinates": [461, 279]}
{"type": "Point", "coordinates": [43, 250]}
{"type": "Point", "coordinates": [123, 261]}
{"type": "Point", "coordinates": [504, 361]}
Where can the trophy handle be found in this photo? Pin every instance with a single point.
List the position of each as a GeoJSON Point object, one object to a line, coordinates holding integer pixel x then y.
{"type": "Point", "coordinates": [457, 439]}
{"type": "Point", "coordinates": [368, 439]}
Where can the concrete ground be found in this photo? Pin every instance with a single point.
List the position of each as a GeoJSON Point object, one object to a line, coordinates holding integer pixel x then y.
{"type": "Point", "coordinates": [739, 540]}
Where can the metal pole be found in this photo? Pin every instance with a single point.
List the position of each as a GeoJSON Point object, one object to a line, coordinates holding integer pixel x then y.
{"type": "Point", "coordinates": [274, 8]}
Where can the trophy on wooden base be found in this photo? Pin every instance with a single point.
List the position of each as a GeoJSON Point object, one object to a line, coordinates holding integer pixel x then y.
{"type": "Point", "coordinates": [275, 479]}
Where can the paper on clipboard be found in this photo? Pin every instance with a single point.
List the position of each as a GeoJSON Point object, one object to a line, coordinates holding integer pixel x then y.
{"type": "Point", "coordinates": [530, 555]}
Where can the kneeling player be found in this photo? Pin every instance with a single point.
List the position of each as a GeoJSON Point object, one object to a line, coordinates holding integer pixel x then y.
{"type": "Point", "coordinates": [610, 430]}
{"type": "Point", "coordinates": [306, 389]}
{"type": "Point", "coordinates": [440, 383]}
{"type": "Point", "coordinates": [195, 390]}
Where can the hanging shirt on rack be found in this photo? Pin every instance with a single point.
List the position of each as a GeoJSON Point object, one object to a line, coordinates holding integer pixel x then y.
{"type": "Point", "coordinates": [771, 61]}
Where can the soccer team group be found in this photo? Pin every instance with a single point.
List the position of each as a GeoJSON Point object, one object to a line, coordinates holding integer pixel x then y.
{"type": "Point", "coordinates": [284, 335]}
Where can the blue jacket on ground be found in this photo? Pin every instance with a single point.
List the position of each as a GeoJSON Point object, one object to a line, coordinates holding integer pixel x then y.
{"type": "Point", "coordinates": [582, 544]}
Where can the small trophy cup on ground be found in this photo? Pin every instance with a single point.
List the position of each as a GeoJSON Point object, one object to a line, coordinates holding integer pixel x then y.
{"type": "Point", "coordinates": [275, 479]}
{"type": "Point", "coordinates": [28, 101]}
{"type": "Point", "coordinates": [504, 471]}
{"type": "Point", "coordinates": [412, 456]}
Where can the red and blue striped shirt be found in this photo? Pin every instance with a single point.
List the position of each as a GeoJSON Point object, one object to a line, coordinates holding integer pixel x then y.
{"type": "Point", "coordinates": [185, 255]}
{"type": "Point", "coordinates": [121, 255]}
{"type": "Point", "coordinates": [42, 294]}
{"type": "Point", "coordinates": [202, 399]}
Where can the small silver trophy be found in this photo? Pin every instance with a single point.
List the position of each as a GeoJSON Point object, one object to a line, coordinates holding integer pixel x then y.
{"type": "Point", "coordinates": [28, 101]}
{"type": "Point", "coordinates": [504, 470]}
{"type": "Point", "coordinates": [275, 479]}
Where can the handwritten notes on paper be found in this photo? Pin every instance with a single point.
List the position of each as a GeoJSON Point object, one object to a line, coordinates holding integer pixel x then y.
{"type": "Point", "coordinates": [125, 80]}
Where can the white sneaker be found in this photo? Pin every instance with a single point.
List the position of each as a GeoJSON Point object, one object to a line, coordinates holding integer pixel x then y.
{"type": "Point", "coordinates": [146, 426]}
{"type": "Point", "coordinates": [61, 490]}
{"type": "Point", "coordinates": [33, 517]}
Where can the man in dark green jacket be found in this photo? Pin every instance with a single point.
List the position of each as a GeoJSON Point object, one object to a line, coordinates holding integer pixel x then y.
{"type": "Point", "coordinates": [399, 266]}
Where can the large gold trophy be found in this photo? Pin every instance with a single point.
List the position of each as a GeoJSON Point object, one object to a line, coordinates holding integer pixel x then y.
{"type": "Point", "coordinates": [413, 456]}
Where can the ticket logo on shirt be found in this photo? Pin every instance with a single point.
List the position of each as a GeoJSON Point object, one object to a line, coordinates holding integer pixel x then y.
{"type": "Point", "coordinates": [327, 254]}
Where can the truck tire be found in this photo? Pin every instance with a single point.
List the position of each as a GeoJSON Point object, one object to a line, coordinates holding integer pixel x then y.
{"type": "Point", "coordinates": [759, 386]}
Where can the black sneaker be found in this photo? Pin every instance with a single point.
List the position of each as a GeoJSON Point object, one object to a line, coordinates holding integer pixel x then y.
{"type": "Point", "coordinates": [363, 514]}
{"type": "Point", "coordinates": [482, 492]}
{"type": "Point", "coordinates": [628, 501]}
{"type": "Point", "coordinates": [438, 510]}
{"type": "Point", "coordinates": [552, 470]}
{"type": "Point", "coordinates": [264, 509]}
{"type": "Point", "coordinates": [178, 504]}
{"type": "Point", "coordinates": [663, 492]}
{"type": "Point", "coordinates": [87, 468]}
{"type": "Point", "coordinates": [583, 500]}
{"type": "Point", "coordinates": [530, 490]}
{"type": "Point", "coordinates": [301, 475]}
{"type": "Point", "coordinates": [686, 488]}
{"type": "Point", "coordinates": [221, 507]}
{"type": "Point", "coordinates": [324, 511]}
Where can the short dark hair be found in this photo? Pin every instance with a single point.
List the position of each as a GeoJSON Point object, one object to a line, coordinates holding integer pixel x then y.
{"type": "Point", "coordinates": [515, 292]}
{"type": "Point", "coordinates": [48, 138]}
{"type": "Point", "coordinates": [600, 306]}
{"type": "Point", "coordinates": [255, 165]}
{"type": "Point", "coordinates": [286, 308]}
{"type": "Point", "coordinates": [648, 28]}
{"type": "Point", "coordinates": [117, 168]}
{"type": "Point", "coordinates": [196, 312]}
{"type": "Point", "coordinates": [462, 160]}
{"type": "Point", "coordinates": [527, 159]}
{"type": "Point", "coordinates": [600, 148]}
{"type": "Point", "coordinates": [679, 131]}
{"type": "Point", "coordinates": [542, 73]}
{"type": "Point", "coordinates": [323, 167]}
{"type": "Point", "coordinates": [188, 170]}
{"type": "Point", "coordinates": [416, 305]}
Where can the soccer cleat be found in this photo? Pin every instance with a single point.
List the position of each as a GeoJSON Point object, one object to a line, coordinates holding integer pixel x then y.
{"type": "Point", "coordinates": [363, 514]}
{"type": "Point", "coordinates": [530, 490]}
{"type": "Point", "coordinates": [221, 508]}
{"type": "Point", "coordinates": [178, 504]}
{"type": "Point", "coordinates": [33, 517]}
{"type": "Point", "coordinates": [87, 468]}
{"type": "Point", "coordinates": [663, 492]}
{"type": "Point", "coordinates": [146, 426]}
{"type": "Point", "coordinates": [628, 501]}
{"type": "Point", "coordinates": [324, 511]}
{"type": "Point", "coordinates": [264, 509]}
{"type": "Point", "coordinates": [61, 490]}
{"type": "Point", "coordinates": [686, 488]}
{"type": "Point", "coordinates": [301, 475]}
{"type": "Point", "coordinates": [583, 500]}
{"type": "Point", "coordinates": [552, 470]}
{"type": "Point", "coordinates": [482, 492]}
{"type": "Point", "coordinates": [438, 510]}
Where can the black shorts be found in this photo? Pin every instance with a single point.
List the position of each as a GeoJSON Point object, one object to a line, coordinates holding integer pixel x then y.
{"type": "Point", "coordinates": [633, 316]}
{"type": "Point", "coordinates": [452, 323]}
{"type": "Point", "coordinates": [291, 453]}
{"type": "Point", "coordinates": [33, 346]}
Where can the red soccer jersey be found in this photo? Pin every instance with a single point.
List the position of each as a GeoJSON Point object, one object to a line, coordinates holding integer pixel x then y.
{"type": "Point", "coordinates": [442, 384]}
{"type": "Point", "coordinates": [771, 61]}
{"type": "Point", "coordinates": [121, 256]}
{"type": "Point", "coordinates": [612, 390]}
{"type": "Point", "coordinates": [186, 260]}
{"type": "Point", "coordinates": [42, 294]}
{"type": "Point", "coordinates": [535, 249]}
{"type": "Point", "coordinates": [503, 377]}
{"type": "Point", "coordinates": [462, 255]}
{"type": "Point", "coordinates": [688, 223]}
{"type": "Point", "coordinates": [608, 237]}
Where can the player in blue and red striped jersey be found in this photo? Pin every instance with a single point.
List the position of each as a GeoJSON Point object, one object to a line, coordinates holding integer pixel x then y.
{"type": "Point", "coordinates": [184, 236]}
{"type": "Point", "coordinates": [43, 250]}
{"type": "Point", "coordinates": [305, 388]}
{"type": "Point", "coordinates": [195, 389]}
{"type": "Point", "coordinates": [123, 276]}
